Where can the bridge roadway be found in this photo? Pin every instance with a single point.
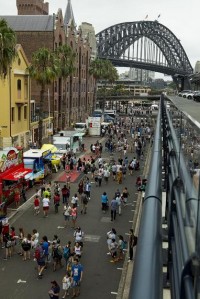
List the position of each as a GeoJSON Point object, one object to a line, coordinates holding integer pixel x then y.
{"type": "Point", "coordinates": [189, 107]}
{"type": "Point", "coordinates": [101, 278]}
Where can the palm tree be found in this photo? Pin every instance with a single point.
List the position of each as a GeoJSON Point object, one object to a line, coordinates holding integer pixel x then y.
{"type": "Point", "coordinates": [103, 70]}
{"type": "Point", "coordinates": [7, 47]}
{"type": "Point", "coordinates": [67, 60]}
{"type": "Point", "coordinates": [44, 69]}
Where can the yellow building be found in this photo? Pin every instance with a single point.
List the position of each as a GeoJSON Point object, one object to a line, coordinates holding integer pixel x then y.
{"type": "Point", "coordinates": [15, 103]}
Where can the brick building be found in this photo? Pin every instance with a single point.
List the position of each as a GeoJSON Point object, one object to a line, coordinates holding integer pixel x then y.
{"type": "Point", "coordinates": [71, 100]}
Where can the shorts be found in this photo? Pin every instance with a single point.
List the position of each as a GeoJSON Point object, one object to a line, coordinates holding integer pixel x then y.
{"type": "Point", "coordinates": [114, 254]}
{"type": "Point", "coordinates": [114, 172]}
{"type": "Point", "coordinates": [106, 179]}
{"type": "Point", "coordinates": [37, 208]}
{"type": "Point", "coordinates": [76, 283]}
{"type": "Point", "coordinates": [45, 208]}
{"type": "Point", "coordinates": [41, 263]}
{"type": "Point", "coordinates": [67, 217]}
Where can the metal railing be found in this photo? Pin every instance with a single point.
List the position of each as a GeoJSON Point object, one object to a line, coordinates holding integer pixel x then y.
{"type": "Point", "coordinates": [182, 214]}
{"type": "Point", "coordinates": [147, 276]}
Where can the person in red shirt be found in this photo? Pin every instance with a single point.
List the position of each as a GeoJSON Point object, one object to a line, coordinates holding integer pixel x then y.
{"type": "Point", "coordinates": [37, 205]}
{"type": "Point", "coordinates": [56, 201]}
{"type": "Point", "coordinates": [17, 198]}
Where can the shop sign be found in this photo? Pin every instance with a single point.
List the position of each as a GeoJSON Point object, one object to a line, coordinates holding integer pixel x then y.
{"type": "Point", "coordinates": [8, 160]}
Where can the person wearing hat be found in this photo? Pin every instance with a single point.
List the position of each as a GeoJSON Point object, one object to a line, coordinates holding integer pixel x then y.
{"type": "Point", "coordinates": [55, 290]}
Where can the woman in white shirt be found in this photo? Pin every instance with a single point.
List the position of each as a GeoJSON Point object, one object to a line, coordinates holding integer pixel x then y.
{"type": "Point", "coordinates": [45, 204]}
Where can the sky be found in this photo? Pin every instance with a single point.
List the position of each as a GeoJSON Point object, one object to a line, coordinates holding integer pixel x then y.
{"type": "Point", "coordinates": [179, 16]}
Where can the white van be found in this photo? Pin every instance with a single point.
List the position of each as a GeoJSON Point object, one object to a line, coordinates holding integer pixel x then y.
{"type": "Point", "coordinates": [80, 127]}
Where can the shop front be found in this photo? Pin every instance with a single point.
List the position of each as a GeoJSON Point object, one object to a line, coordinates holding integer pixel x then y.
{"type": "Point", "coordinates": [12, 176]}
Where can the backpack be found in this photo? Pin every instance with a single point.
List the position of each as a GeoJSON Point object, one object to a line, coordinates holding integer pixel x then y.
{"type": "Point", "coordinates": [124, 245]}
{"type": "Point", "coordinates": [56, 253]}
{"type": "Point", "coordinates": [38, 253]}
{"type": "Point", "coordinates": [66, 252]}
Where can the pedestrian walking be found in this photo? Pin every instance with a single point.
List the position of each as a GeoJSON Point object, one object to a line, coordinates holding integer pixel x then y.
{"type": "Point", "coordinates": [77, 276]}
{"type": "Point", "coordinates": [45, 204]}
{"type": "Point", "coordinates": [67, 213]}
{"type": "Point", "coordinates": [56, 200]}
{"type": "Point", "coordinates": [55, 290]}
{"type": "Point", "coordinates": [104, 202]}
{"type": "Point", "coordinates": [36, 205]}
{"type": "Point", "coordinates": [74, 215]}
{"type": "Point", "coordinates": [113, 208]}
{"type": "Point", "coordinates": [132, 243]}
{"type": "Point", "coordinates": [66, 284]}
{"type": "Point", "coordinates": [84, 203]}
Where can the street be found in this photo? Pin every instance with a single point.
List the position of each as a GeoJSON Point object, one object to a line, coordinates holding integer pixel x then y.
{"type": "Point", "coordinates": [100, 278]}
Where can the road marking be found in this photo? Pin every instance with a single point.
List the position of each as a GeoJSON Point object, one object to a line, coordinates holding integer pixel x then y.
{"type": "Point", "coordinates": [132, 210]}
{"type": "Point", "coordinates": [130, 221]}
{"type": "Point", "coordinates": [59, 227]}
{"type": "Point", "coordinates": [119, 268]}
{"type": "Point", "coordinates": [113, 293]}
{"type": "Point", "coordinates": [127, 234]}
{"type": "Point", "coordinates": [92, 238]}
{"type": "Point", "coordinates": [137, 193]}
{"type": "Point", "coordinates": [21, 281]}
{"type": "Point", "coordinates": [105, 219]}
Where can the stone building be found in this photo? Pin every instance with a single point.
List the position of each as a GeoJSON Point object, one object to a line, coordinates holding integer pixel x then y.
{"type": "Point", "coordinates": [71, 100]}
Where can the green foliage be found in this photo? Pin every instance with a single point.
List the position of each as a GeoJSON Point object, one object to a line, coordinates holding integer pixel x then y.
{"type": "Point", "coordinates": [66, 58]}
{"type": "Point", "coordinates": [7, 47]}
{"type": "Point", "coordinates": [45, 67]}
{"type": "Point", "coordinates": [103, 70]}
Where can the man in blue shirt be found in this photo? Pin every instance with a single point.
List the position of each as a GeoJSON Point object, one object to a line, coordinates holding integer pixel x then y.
{"type": "Point", "coordinates": [113, 208]}
{"type": "Point", "coordinates": [77, 275]}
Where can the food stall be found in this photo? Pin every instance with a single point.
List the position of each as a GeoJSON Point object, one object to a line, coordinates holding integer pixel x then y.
{"type": "Point", "coordinates": [12, 175]}
{"type": "Point", "coordinates": [53, 157]}
{"type": "Point", "coordinates": [34, 159]}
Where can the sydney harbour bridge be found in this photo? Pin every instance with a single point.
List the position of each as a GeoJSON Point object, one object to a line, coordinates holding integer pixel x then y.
{"type": "Point", "coordinates": [146, 45]}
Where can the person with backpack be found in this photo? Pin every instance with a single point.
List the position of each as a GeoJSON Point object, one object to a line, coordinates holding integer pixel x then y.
{"type": "Point", "coordinates": [67, 252]}
{"type": "Point", "coordinates": [121, 246]}
{"type": "Point", "coordinates": [84, 202]}
{"type": "Point", "coordinates": [57, 253]}
{"type": "Point", "coordinates": [26, 246]}
{"type": "Point", "coordinates": [39, 256]}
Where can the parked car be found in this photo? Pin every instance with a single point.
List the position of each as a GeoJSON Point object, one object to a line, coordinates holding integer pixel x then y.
{"type": "Point", "coordinates": [189, 95]}
{"type": "Point", "coordinates": [183, 92]}
{"type": "Point", "coordinates": [196, 97]}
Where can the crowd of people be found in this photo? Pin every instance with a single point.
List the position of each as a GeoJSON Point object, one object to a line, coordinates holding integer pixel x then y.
{"type": "Point", "coordinates": [129, 140]}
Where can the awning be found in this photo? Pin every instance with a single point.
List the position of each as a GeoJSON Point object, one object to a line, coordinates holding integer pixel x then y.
{"type": "Point", "coordinates": [17, 175]}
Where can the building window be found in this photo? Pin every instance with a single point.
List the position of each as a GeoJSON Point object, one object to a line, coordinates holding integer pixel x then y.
{"type": "Point", "coordinates": [25, 112]}
{"type": "Point", "coordinates": [19, 88]}
{"type": "Point", "coordinates": [19, 113]}
{"type": "Point", "coordinates": [26, 89]}
{"type": "Point", "coordinates": [12, 114]}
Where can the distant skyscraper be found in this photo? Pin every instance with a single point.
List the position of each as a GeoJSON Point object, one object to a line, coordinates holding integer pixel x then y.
{"type": "Point", "coordinates": [141, 75]}
{"type": "Point", "coordinates": [197, 67]}
{"type": "Point", "coordinates": [88, 33]}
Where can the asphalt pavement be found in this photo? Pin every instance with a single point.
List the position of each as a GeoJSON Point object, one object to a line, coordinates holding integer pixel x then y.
{"type": "Point", "coordinates": [101, 278]}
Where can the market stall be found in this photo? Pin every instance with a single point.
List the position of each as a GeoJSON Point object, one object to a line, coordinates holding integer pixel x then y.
{"type": "Point", "coordinates": [12, 175]}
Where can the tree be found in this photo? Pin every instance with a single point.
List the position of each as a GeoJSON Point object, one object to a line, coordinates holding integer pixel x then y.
{"type": "Point", "coordinates": [45, 68]}
{"type": "Point", "coordinates": [103, 70]}
{"type": "Point", "coordinates": [7, 47]}
{"type": "Point", "coordinates": [67, 60]}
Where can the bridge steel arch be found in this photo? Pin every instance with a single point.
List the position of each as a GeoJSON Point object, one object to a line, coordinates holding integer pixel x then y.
{"type": "Point", "coordinates": [113, 41]}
